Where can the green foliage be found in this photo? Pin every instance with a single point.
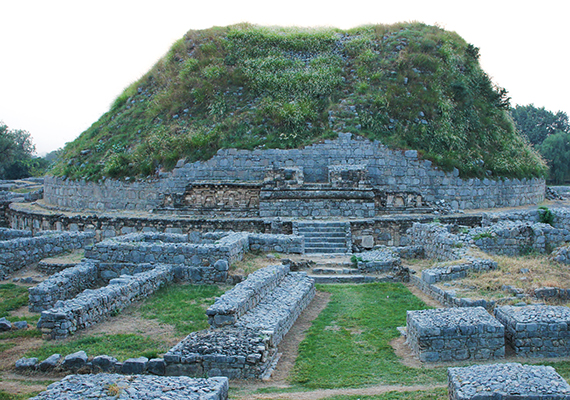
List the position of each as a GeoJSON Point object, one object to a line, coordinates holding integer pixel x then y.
{"type": "Point", "coordinates": [545, 216]}
{"type": "Point", "coordinates": [538, 123]}
{"type": "Point", "coordinates": [556, 151]}
{"type": "Point", "coordinates": [348, 344]}
{"type": "Point", "coordinates": [17, 151]}
{"type": "Point", "coordinates": [182, 306]}
{"type": "Point", "coordinates": [483, 235]}
{"type": "Point", "coordinates": [408, 85]}
{"type": "Point", "coordinates": [120, 346]}
{"type": "Point", "coordinates": [9, 396]}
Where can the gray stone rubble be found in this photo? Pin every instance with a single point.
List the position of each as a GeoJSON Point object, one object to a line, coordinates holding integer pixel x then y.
{"type": "Point", "coordinates": [135, 387]}
{"type": "Point", "coordinates": [511, 381]}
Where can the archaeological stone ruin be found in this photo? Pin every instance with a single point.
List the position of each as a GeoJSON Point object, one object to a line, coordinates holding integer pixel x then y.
{"type": "Point", "coordinates": [348, 196]}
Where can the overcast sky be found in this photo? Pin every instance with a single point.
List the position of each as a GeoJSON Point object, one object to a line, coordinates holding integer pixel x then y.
{"type": "Point", "coordinates": [64, 62]}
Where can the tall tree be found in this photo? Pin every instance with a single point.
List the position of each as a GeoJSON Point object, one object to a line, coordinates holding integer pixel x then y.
{"type": "Point", "coordinates": [538, 123]}
{"type": "Point", "coordinates": [16, 152]}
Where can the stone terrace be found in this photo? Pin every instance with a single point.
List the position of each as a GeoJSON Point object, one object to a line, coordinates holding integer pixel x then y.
{"type": "Point", "coordinates": [135, 387]}
{"type": "Point", "coordinates": [536, 331]}
{"type": "Point", "coordinates": [510, 381]}
{"type": "Point", "coordinates": [455, 334]}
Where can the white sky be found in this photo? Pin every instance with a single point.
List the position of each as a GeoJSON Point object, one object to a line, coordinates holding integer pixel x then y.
{"type": "Point", "coordinates": [63, 62]}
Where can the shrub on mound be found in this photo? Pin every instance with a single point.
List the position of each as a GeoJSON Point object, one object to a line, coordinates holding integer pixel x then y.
{"type": "Point", "coordinates": [409, 85]}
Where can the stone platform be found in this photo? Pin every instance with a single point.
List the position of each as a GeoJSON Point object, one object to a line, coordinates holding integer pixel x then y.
{"type": "Point", "coordinates": [510, 381]}
{"type": "Point", "coordinates": [536, 331]}
{"type": "Point", "coordinates": [455, 334]}
{"type": "Point", "coordinates": [135, 387]}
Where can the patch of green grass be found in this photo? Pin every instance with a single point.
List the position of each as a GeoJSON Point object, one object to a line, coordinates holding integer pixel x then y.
{"type": "Point", "coordinates": [435, 394]}
{"type": "Point", "coordinates": [12, 297]}
{"type": "Point", "coordinates": [183, 306]}
{"type": "Point", "coordinates": [6, 345]}
{"type": "Point", "coordinates": [120, 346]}
{"type": "Point", "coordinates": [9, 396]}
{"type": "Point", "coordinates": [22, 333]}
{"type": "Point", "coordinates": [348, 345]}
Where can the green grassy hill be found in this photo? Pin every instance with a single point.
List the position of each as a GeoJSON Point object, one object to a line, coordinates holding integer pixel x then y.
{"type": "Point", "coordinates": [409, 85]}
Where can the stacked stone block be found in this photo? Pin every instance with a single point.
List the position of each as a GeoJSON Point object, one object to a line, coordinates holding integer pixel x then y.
{"type": "Point", "coordinates": [457, 271]}
{"type": "Point", "coordinates": [19, 252]}
{"type": "Point", "coordinates": [455, 334]}
{"type": "Point", "coordinates": [9, 234]}
{"type": "Point", "coordinates": [437, 240]}
{"type": "Point", "coordinates": [536, 331]}
{"type": "Point", "coordinates": [63, 285]}
{"type": "Point", "coordinates": [511, 381]}
{"type": "Point", "coordinates": [233, 304]}
{"type": "Point", "coordinates": [515, 237]}
{"type": "Point", "coordinates": [135, 387]}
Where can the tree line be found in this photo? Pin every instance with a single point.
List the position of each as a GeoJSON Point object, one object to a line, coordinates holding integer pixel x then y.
{"type": "Point", "coordinates": [549, 133]}
{"type": "Point", "coordinates": [17, 158]}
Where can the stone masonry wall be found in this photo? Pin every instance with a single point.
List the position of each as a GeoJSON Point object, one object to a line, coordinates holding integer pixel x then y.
{"type": "Point", "coordinates": [9, 234]}
{"type": "Point", "coordinates": [91, 306]}
{"type": "Point", "coordinates": [390, 170]}
{"type": "Point", "coordinates": [16, 253]}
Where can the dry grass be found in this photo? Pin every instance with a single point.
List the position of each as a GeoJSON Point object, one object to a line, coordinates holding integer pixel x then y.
{"type": "Point", "coordinates": [73, 256]}
{"type": "Point", "coordinates": [252, 262]}
{"type": "Point", "coordinates": [512, 271]}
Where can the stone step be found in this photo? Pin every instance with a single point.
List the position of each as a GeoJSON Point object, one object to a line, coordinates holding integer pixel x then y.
{"type": "Point", "coordinates": [322, 224]}
{"type": "Point", "coordinates": [330, 246]}
{"type": "Point", "coordinates": [334, 271]}
{"type": "Point", "coordinates": [350, 278]}
{"type": "Point", "coordinates": [323, 234]}
{"type": "Point", "coordinates": [309, 240]}
{"type": "Point", "coordinates": [320, 250]}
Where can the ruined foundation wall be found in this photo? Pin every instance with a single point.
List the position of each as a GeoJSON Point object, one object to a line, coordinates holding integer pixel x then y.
{"type": "Point", "coordinates": [388, 170]}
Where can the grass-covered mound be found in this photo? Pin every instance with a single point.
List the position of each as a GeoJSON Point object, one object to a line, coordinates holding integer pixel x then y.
{"type": "Point", "coordinates": [409, 85]}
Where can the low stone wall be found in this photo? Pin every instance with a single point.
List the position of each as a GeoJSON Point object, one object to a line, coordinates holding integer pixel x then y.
{"type": "Point", "coordinates": [4, 207]}
{"type": "Point", "coordinates": [513, 238]}
{"type": "Point", "coordinates": [437, 240]}
{"type": "Point", "coordinates": [562, 254]}
{"type": "Point", "coordinates": [506, 381]}
{"type": "Point", "coordinates": [238, 354]}
{"type": "Point", "coordinates": [561, 218]}
{"type": "Point", "coordinates": [280, 308]}
{"type": "Point", "coordinates": [276, 243]}
{"type": "Point", "coordinates": [233, 304]}
{"type": "Point", "coordinates": [448, 297]}
{"type": "Point", "coordinates": [536, 331]}
{"type": "Point", "coordinates": [91, 306]}
{"type": "Point", "coordinates": [92, 273]}
{"type": "Point", "coordinates": [455, 334]}
{"type": "Point", "coordinates": [63, 285]}
{"type": "Point", "coordinates": [457, 271]}
{"type": "Point", "coordinates": [16, 253]}
{"type": "Point", "coordinates": [170, 248]}
{"type": "Point", "coordinates": [9, 234]}
{"type": "Point", "coordinates": [379, 260]}
{"type": "Point", "coordinates": [136, 387]}
{"type": "Point", "coordinates": [248, 323]}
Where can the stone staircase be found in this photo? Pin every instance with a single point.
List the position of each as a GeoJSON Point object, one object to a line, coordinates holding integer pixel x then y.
{"type": "Point", "coordinates": [325, 237]}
